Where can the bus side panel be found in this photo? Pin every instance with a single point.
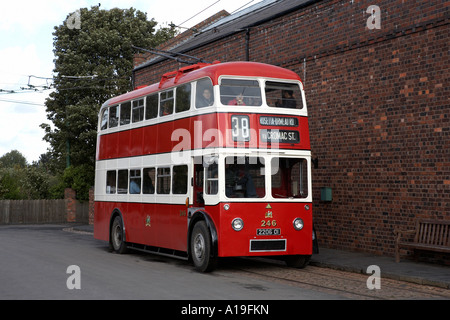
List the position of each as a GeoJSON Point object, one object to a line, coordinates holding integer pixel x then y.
{"type": "Point", "coordinates": [101, 221]}
{"type": "Point", "coordinates": [134, 221]}
{"type": "Point", "coordinates": [129, 213]}
{"type": "Point", "coordinates": [107, 146]}
{"type": "Point", "coordinates": [179, 227]}
{"type": "Point", "coordinates": [157, 225]}
{"type": "Point", "coordinates": [136, 142]}
{"type": "Point", "coordinates": [123, 143]}
{"type": "Point", "coordinates": [150, 140]}
{"type": "Point", "coordinates": [265, 216]}
{"type": "Point", "coordinates": [170, 226]}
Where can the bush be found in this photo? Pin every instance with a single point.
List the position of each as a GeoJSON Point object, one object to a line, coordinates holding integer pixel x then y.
{"type": "Point", "coordinates": [79, 178]}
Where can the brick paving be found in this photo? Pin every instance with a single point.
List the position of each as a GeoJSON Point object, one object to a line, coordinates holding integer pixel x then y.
{"type": "Point", "coordinates": [348, 284]}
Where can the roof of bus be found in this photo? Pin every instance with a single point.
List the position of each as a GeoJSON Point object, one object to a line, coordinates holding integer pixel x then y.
{"type": "Point", "coordinates": [213, 71]}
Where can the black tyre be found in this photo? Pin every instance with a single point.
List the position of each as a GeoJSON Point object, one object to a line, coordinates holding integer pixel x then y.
{"type": "Point", "coordinates": [297, 261]}
{"type": "Point", "coordinates": [118, 236]}
{"type": "Point", "coordinates": [201, 248]}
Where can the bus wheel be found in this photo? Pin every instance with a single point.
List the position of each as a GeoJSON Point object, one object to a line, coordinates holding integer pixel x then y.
{"type": "Point", "coordinates": [201, 248]}
{"type": "Point", "coordinates": [117, 236]}
{"type": "Point", "coordinates": [297, 261]}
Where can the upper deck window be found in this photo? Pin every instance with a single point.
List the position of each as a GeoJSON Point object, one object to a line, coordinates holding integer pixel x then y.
{"type": "Point", "coordinates": [151, 110]}
{"type": "Point", "coordinates": [283, 95]}
{"type": "Point", "coordinates": [138, 110]}
{"type": "Point", "coordinates": [166, 103]}
{"type": "Point", "coordinates": [113, 116]}
{"type": "Point", "coordinates": [205, 93]}
{"type": "Point", "coordinates": [104, 122]}
{"type": "Point", "coordinates": [183, 99]}
{"type": "Point", "coordinates": [240, 92]}
{"type": "Point", "coordinates": [125, 113]}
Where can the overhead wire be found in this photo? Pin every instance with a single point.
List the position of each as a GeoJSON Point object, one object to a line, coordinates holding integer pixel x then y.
{"type": "Point", "coordinates": [197, 31]}
{"type": "Point", "coordinates": [50, 86]}
{"type": "Point", "coordinates": [199, 13]}
{"type": "Point", "coordinates": [22, 102]}
{"type": "Point", "coordinates": [30, 88]}
{"type": "Point", "coordinates": [242, 6]}
{"type": "Point", "coordinates": [89, 82]}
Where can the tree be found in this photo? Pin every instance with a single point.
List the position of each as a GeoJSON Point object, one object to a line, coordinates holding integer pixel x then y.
{"type": "Point", "coordinates": [11, 175]}
{"type": "Point", "coordinates": [18, 180]}
{"type": "Point", "coordinates": [12, 159]}
{"type": "Point", "coordinates": [93, 62]}
{"type": "Point", "coordinates": [10, 183]}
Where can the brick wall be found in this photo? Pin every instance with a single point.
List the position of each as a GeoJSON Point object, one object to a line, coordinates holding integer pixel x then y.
{"type": "Point", "coordinates": [379, 110]}
{"type": "Point", "coordinates": [77, 211]}
{"type": "Point", "coordinates": [71, 204]}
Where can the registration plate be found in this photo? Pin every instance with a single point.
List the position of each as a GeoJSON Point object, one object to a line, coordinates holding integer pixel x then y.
{"type": "Point", "coordinates": [268, 232]}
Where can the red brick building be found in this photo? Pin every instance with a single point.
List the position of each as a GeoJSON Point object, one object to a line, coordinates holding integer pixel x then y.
{"type": "Point", "coordinates": [378, 93]}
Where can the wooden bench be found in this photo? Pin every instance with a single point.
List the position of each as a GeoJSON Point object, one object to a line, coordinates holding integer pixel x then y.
{"type": "Point", "coordinates": [431, 235]}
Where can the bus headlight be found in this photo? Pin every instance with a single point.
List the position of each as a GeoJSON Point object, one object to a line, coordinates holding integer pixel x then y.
{"type": "Point", "coordinates": [237, 224]}
{"type": "Point", "coordinates": [298, 224]}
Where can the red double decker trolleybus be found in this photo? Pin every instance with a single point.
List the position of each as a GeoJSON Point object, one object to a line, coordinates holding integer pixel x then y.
{"type": "Point", "coordinates": [213, 161]}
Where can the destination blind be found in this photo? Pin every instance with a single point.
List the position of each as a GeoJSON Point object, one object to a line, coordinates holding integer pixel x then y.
{"type": "Point", "coordinates": [279, 136]}
{"type": "Point", "coordinates": [276, 135]}
{"type": "Point", "coordinates": [278, 121]}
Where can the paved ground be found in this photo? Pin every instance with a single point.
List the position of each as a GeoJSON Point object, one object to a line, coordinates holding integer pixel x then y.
{"type": "Point", "coordinates": [356, 262]}
{"type": "Point", "coordinates": [34, 262]}
{"type": "Point", "coordinates": [48, 262]}
{"type": "Point", "coordinates": [405, 270]}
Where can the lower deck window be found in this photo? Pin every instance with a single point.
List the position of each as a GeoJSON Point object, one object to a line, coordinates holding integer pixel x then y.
{"type": "Point", "coordinates": [163, 183]}
{"type": "Point", "coordinates": [148, 186]}
{"type": "Point", "coordinates": [111, 177]}
{"type": "Point", "coordinates": [135, 181]}
{"type": "Point", "coordinates": [212, 180]}
{"type": "Point", "coordinates": [245, 177]}
{"type": "Point", "coordinates": [289, 178]}
{"type": "Point", "coordinates": [122, 182]}
{"type": "Point", "coordinates": [180, 179]}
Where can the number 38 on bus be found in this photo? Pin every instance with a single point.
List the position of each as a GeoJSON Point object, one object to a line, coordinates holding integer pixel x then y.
{"type": "Point", "coordinates": [213, 161]}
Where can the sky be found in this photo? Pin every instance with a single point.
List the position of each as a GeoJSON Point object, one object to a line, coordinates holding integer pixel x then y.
{"type": "Point", "coordinates": [26, 56]}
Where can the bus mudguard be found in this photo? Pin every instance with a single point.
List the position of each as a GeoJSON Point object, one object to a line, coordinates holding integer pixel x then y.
{"type": "Point", "coordinates": [193, 218]}
{"type": "Point", "coordinates": [116, 212]}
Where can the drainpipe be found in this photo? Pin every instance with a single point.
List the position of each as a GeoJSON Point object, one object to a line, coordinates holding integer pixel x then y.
{"type": "Point", "coordinates": [247, 44]}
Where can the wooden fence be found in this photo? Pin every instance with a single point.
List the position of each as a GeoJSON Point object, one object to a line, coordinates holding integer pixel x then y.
{"type": "Point", "coordinates": [41, 211]}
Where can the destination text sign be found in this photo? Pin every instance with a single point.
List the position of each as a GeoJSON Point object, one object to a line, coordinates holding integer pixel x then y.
{"type": "Point", "coordinates": [278, 121]}
{"type": "Point", "coordinates": [280, 136]}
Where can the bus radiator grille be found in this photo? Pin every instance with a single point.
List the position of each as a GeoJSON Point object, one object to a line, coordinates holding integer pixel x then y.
{"type": "Point", "coordinates": [267, 245]}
